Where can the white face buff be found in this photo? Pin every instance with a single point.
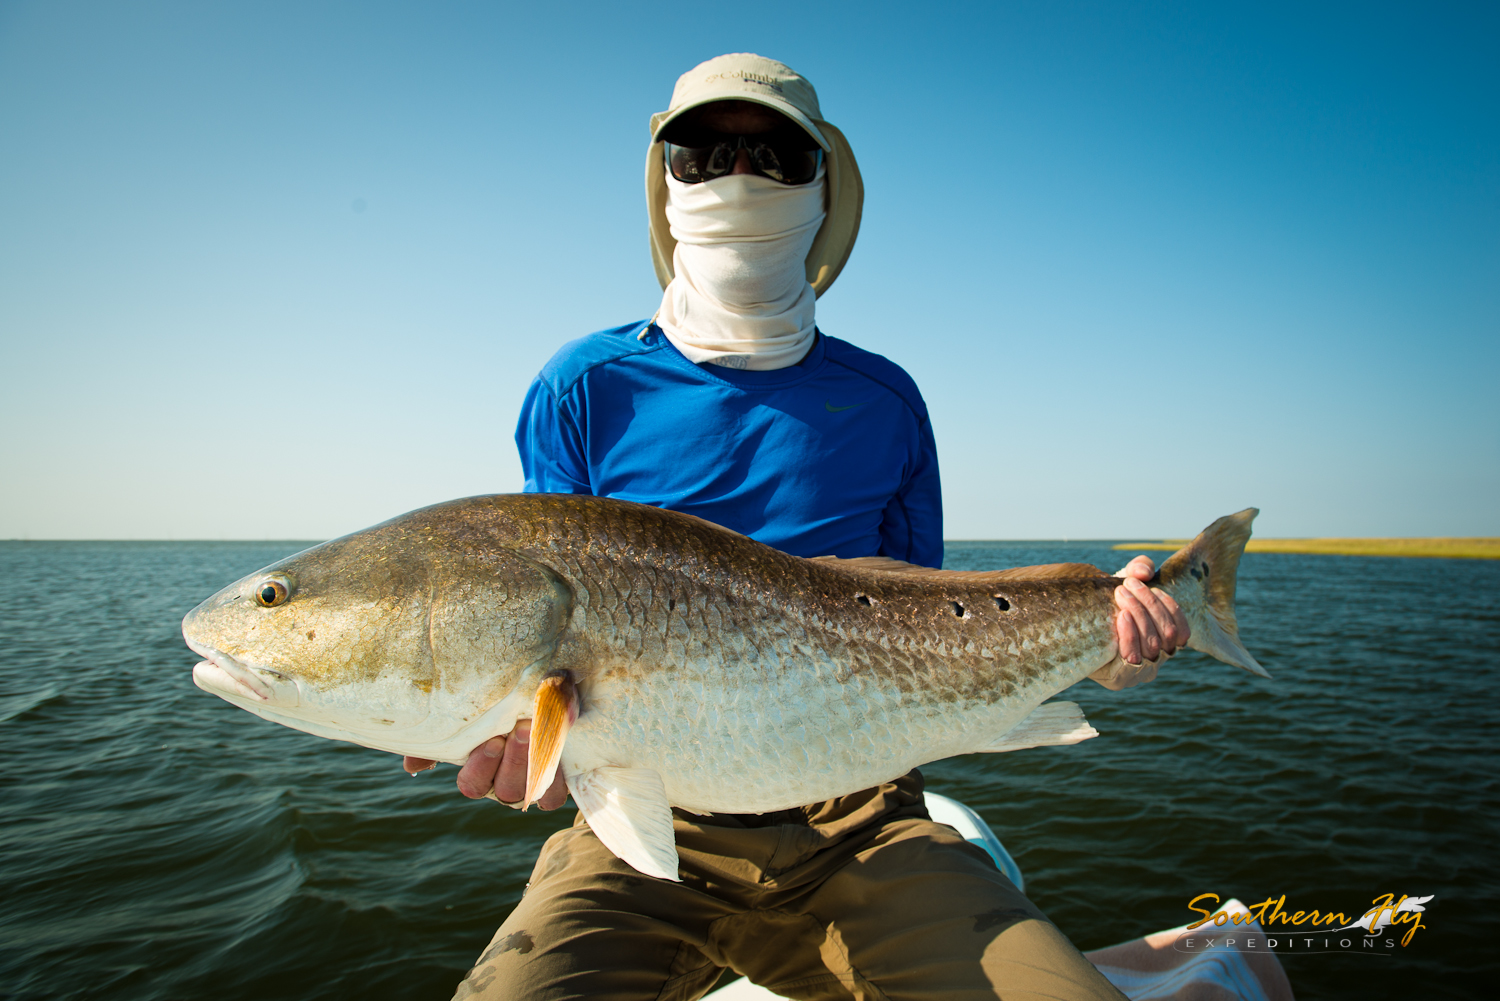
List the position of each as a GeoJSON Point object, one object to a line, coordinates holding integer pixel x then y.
{"type": "Point", "coordinates": [740, 296]}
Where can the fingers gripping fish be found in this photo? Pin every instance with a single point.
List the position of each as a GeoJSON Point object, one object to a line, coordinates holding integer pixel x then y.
{"type": "Point", "coordinates": [665, 661]}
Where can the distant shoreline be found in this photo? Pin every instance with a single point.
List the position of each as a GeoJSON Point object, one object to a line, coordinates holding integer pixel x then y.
{"type": "Point", "coordinates": [1482, 548]}
{"type": "Point", "coordinates": [1446, 548]}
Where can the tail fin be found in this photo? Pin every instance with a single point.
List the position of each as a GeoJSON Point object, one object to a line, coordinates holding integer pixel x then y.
{"type": "Point", "coordinates": [1200, 577]}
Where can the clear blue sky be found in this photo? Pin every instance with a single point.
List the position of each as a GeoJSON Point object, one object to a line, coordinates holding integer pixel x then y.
{"type": "Point", "coordinates": [285, 269]}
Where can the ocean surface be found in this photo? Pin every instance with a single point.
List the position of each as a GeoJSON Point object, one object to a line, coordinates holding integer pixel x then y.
{"type": "Point", "coordinates": [156, 842]}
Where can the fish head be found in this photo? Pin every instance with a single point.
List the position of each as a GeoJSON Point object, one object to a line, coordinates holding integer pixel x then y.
{"type": "Point", "coordinates": [407, 637]}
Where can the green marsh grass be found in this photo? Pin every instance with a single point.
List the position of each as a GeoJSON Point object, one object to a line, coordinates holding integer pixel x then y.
{"type": "Point", "coordinates": [1450, 548]}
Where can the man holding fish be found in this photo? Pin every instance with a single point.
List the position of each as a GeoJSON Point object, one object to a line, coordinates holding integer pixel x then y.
{"type": "Point", "coordinates": [731, 405]}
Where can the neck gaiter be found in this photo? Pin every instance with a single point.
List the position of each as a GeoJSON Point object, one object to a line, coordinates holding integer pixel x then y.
{"type": "Point", "coordinates": [740, 296]}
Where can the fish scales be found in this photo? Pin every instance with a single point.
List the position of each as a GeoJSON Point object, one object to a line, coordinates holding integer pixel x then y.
{"type": "Point", "coordinates": [814, 612]}
{"type": "Point", "coordinates": [708, 671]}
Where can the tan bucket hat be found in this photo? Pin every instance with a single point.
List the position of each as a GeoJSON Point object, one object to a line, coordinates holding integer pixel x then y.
{"type": "Point", "coordinates": [742, 76]}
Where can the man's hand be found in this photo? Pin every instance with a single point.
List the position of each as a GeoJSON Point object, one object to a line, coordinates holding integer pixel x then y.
{"type": "Point", "coordinates": [1150, 628]}
{"type": "Point", "coordinates": [499, 766]}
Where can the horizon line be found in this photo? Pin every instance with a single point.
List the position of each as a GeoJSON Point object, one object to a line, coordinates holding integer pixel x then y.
{"type": "Point", "coordinates": [1128, 540]}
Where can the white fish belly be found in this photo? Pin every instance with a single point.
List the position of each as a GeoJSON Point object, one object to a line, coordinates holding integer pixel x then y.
{"type": "Point", "coordinates": [792, 740]}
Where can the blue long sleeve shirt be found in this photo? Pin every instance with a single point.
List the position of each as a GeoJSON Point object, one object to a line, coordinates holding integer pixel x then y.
{"type": "Point", "coordinates": [832, 456]}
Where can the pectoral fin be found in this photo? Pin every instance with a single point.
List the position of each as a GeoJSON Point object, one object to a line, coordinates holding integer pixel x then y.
{"type": "Point", "coordinates": [627, 808]}
{"type": "Point", "coordinates": [553, 713]}
{"type": "Point", "coordinates": [1052, 723]}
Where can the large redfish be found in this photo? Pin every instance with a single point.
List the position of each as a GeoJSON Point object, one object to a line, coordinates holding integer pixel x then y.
{"type": "Point", "coordinates": [669, 662]}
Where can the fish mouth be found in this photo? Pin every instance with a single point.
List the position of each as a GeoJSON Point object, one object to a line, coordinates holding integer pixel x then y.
{"type": "Point", "coordinates": [222, 675]}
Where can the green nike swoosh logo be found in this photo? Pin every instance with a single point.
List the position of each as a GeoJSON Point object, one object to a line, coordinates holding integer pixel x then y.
{"type": "Point", "coordinates": [828, 406]}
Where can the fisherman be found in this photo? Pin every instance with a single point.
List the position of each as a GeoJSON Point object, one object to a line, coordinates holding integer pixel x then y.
{"type": "Point", "coordinates": [730, 404]}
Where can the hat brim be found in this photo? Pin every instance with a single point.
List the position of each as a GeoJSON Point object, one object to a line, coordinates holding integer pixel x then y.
{"type": "Point", "coordinates": [844, 190]}
{"type": "Point", "coordinates": [662, 119]}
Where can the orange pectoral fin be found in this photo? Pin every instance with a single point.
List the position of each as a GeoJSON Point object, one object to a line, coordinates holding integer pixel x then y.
{"type": "Point", "coordinates": [555, 709]}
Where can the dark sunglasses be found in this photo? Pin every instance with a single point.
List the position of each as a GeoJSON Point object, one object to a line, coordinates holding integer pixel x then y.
{"type": "Point", "coordinates": [703, 156]}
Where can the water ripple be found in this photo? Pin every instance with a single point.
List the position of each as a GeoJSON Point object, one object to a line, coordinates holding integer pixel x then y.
{"type": "Point", "coordinates": [156, 843]}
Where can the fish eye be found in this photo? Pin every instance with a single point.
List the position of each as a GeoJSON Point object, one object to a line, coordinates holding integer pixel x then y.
{"type": "Point", "coordinates": [271, 592]}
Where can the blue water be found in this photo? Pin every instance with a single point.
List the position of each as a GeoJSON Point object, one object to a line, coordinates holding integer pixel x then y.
{"type": "Point", "coordinates": [156, 842]}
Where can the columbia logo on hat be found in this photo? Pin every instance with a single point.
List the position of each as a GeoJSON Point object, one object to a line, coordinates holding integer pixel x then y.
{"type": "Point", "coordinates": [761, 79]}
